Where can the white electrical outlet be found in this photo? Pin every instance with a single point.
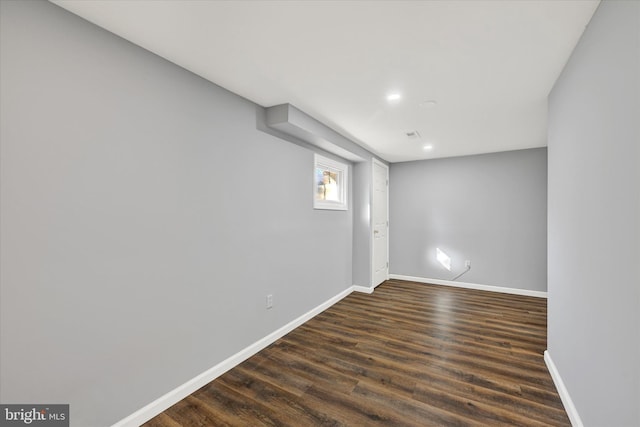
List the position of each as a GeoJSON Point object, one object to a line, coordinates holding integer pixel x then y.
{"type": "Point", "coordinates": [269, 301]}
{"type": "Point", "coordinates": [467, 263]}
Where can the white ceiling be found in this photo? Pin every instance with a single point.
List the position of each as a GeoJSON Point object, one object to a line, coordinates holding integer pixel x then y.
{"type": "Point", "coordinates": [489, 64]}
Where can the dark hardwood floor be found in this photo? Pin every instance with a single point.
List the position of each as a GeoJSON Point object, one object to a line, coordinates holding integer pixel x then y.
{"type": "Point", "coordinates": [409, 354]}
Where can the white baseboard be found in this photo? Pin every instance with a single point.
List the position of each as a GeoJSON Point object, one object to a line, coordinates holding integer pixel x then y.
{"type": "Point", "coordinates": [572, 412]}
{"type": "Point", "coordinates": [491, 288]}
{"type": "Point", "coordinates": [364, 289]}
{"type": "Point", "coordinates": [174, 396]}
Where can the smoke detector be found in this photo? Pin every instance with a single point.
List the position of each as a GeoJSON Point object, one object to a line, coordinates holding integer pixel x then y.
{"type": "Point", "coordinates": [413, 134]}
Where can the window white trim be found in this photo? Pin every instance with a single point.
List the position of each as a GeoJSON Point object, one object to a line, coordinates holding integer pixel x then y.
{"type": "Point", "coordinates": [339, 181]}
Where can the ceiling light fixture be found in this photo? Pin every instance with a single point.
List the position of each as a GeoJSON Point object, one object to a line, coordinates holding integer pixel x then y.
{"type": "Point", "coordinates": [393, 97]}
{"type": "Point", "coordinates": [428, 147]}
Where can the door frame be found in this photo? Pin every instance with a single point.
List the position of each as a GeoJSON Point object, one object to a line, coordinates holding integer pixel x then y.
{"type": "Point", "coordinates": [375, 161]}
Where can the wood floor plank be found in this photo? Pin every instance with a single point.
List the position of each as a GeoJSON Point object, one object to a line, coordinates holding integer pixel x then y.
{"type": "Point", "coordinates": [410, 354]}
{"type": "Point", "coordinates": [163, 420]}
{"type": "Point", "coordinates": [269, 404]}
{"type": "Point", "coordinates": [272, 373]}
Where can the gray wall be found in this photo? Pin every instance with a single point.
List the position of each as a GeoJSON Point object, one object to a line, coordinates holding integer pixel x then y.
{"type": "Point", "coordinates": [293, 125]}
{"type": "Point", "coordinates": [144, 220]}
{"type": "Point", "coordinates": [594, 219]}
{"type": "Point", "coordinates": [490, 209]}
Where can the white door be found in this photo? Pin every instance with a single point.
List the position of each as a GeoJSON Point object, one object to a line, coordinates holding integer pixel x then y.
{"type": "Point", "coordinates": [380, 213]}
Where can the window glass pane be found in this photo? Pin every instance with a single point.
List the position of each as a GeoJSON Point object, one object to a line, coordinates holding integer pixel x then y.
{"type": "Point", "coordinates": [330, 180]}
{"type": "Point", "coordinates": [328, 184]}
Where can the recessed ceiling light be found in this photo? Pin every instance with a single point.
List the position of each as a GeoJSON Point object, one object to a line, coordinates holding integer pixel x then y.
{"type": "Point", "coordinates": [392, 97]}
{"type": "Point", "coordinates": [428, 104]}
{"type": "Point", "coordinates": [428, 147]}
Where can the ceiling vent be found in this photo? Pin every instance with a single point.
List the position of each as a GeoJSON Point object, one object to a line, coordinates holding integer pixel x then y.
{"type": "Point", "coordinates": [413, 134]}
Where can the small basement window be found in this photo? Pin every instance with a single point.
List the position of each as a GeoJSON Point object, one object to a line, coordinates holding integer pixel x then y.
{"type": "Point", "coordinates": [331, 180]}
